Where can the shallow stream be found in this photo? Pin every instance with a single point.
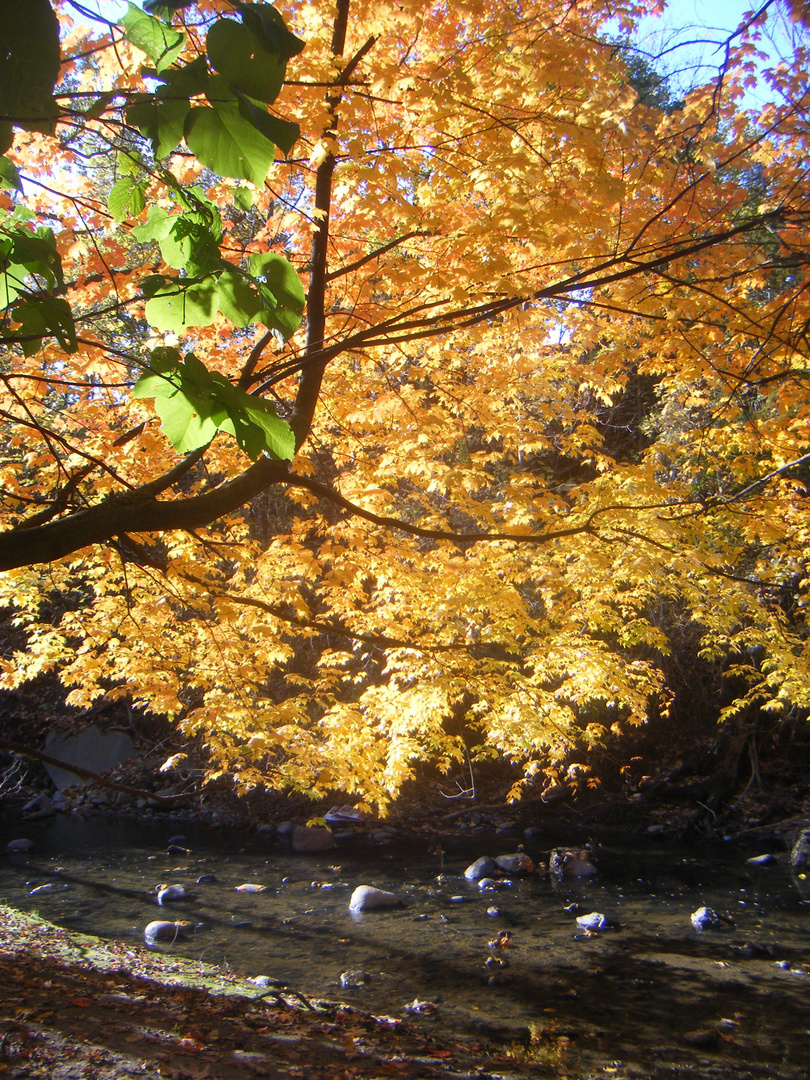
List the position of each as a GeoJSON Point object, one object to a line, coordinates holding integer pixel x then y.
{"type": "Point", "coordinates": [651, 997]}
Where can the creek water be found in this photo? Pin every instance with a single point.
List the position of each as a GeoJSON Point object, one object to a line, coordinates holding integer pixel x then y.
{"type": "Point", "coordinates": [650, 997]}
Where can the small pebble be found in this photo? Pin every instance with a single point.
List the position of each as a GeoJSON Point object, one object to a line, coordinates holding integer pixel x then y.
{"type": "Point", "coordinates": [493, 912]}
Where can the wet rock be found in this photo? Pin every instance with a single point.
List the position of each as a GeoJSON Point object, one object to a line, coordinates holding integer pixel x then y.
{"type": "Point", "coordinates": [367, 898]}
{"type": "Point", "coordinates": [164, 931]}
{"type": "Point", "coordinates": [484, 867]}
{"type": "Point", "coordinates": [168, 894]}
{"type": "Point", "coordinates": [493, 912]}
{"type": "Point", "coordinates": [800, 852]}
{"type": "Point", "coordinates": [178, 841]}
{"type": "Point", "coordinates": [593, 922]}
{"type": "Point", "coordinates": [705, 1037]}
{"type": "Point", "coordinates": [308, 840]}
{"type": "Point", "coordinates": [384, 835]}
{"type": "Point", "coordinates": [421, 1008]}
{"type": "Point", "coordinates": [250, 887]}
{"type": "Point", "coordinates": [43, 888]}
{"type": "Point", "coordinates": [518, 864]}
{"type": "Point", "coordinates": [487, 883]}
{"type": "Point", "coordinates": [571, 862]}
{"type": "Point", "coordinates": [286, 829]}
{"type": "Point", "coordinates": [176, 849]}
{"type": "Point", "coordinates": [265, 981]}
{"type": "Point", "coordinates": [206, 879]}
{"type": "Point", "coordinates": [457, 899]}
{"type": "Point", "coordinates": [532, 834]}
{"type": "Point", "coordinates": [761, 860]}
{"type": "Point", "coordinates": [502, 941]}
{"type": "Point", "coordinates": [19, 847]}
{"type": "Point", "coordinates": [705, 919]}
{"type": "Point", "coordinates": [752, 950]}
{"type": "Point", "coordinates": [354, 980]}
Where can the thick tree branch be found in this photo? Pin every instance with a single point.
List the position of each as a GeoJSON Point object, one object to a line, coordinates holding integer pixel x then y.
{"type": "Point", "coordinates": [136, 511]}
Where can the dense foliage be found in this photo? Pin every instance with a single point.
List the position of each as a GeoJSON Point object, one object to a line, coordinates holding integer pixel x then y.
{"type": "Point", "coordinates": [387, 382]}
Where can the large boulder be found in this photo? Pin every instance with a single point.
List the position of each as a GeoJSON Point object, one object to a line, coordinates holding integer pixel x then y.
{"type": "Point", "coordinates": [518, 865]}
{"type": "Point", "coordinates": [308, 840]}
{"type": "Point", "coordinates": [91, 749]}
{"type": "Point", "coordinates": [481, 868]}
{"type": "Point", "coordinates": [367, 898]}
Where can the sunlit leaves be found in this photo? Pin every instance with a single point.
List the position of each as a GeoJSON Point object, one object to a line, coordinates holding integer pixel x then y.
{"type": "Point", "coordinates": [224, 140]}
{"type": "Point", "coordinates": [238, 55]}
{"type": "Point", "coordinates": [161, 43]}
{"type": "Point", "coordinates": [193, 403]}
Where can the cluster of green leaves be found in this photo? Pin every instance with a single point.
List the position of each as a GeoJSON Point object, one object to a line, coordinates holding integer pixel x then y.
{"type": "Point", "coordinates": [270, 292]}
{"type": "Point", "coordinates": [194, 403]}
{"type": "Point", "coordinates": [217, 103]}
{"type": "Point", "coordinates": [243, 72]}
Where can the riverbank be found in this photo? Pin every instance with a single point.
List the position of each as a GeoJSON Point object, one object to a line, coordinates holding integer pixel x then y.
{"type": "Point", "coordinates": [72, 1006]}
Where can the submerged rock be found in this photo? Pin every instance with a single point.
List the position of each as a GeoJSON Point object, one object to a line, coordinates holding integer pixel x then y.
{"type": "Point", "coordinates": [484, 867]}
{"type": "Point", "coordinates": [250, 887]}
{"type": "Point", "coordinates": [354, 980]}
{"type": "Point", "coordinates": [367, 898]}
{"type": "Point", "coordinates": [19, 847]}
{"type": "Point", "coordinates": [570, 862]}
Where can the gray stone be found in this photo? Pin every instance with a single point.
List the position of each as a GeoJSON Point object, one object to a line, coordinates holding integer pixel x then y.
{"type": "Point", "coordinates": [800, 853]}
{"type": "Point", "coordinates": [164, 931]}
{"type": "Point", "coordinates": [16, 847]}
{"type": "Point", "coordinates": [592, 922]}
{"type": "Point", "coordinates": [518, 864]}
{"type": "Point", "coordinates": [481, 868]}
{"type": "Point", "coordinates": [761, 860]}
{"type": "Point", "coordinates": [354, 980]}
{"type": "Point", "coordinates": [92, 749]}
{"type": "Point", "coordinates": [367, 898]}
{"type": "Point", "coordinates": [309, 840]}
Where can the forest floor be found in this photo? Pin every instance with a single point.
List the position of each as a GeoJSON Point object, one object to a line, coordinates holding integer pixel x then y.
{"type": "Point", "coordinates": [74, 1007]}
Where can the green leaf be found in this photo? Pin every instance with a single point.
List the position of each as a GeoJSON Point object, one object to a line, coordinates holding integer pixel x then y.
{"type": "Point", "coordinates": [258, 429]}
{"type": "Point", "coordinates": [9, 176]}
{"type": "Point", "coordinates": [11, 283]}
{"type": "Point", "coordinates": [30, 61]}
{"type": "Point", "coordinates": [160, 42]}
{"type": "Point", "coordinates": [282, 292]}
{"type": "Point", "coordinates": [176, 307]}
{"type": "Point", "coordinates": [156, 227]}
{"type": "Point", "coordinates": [190, 246]}
{"type": "Point", "coordinates": [284, 133]}
{"type": "Point", "coordinates": [238, 301]}
{"type": "Point", "coordinates": [228, 144]}
{"type": "Point", "coordinates": [126, 195]}
{"type": "Point", "coordinates": [193, 403]}
{"type": "Point", "coordinates": [189, 80]}
{"type": "Point", "coordinates": [161, 121]}
{"type": "Point", "coordinates": [268, 25]}
{"type": "Point", "coordinates": [49, 315]}
{"type": "Point", "coordinates": [245, 61]}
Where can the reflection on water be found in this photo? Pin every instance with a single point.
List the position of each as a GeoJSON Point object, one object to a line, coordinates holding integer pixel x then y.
{"type": "Point", "coordinates": [629, 995]}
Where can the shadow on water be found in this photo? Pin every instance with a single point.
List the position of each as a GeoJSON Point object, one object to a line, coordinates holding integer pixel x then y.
{"type": "Point", "coordinates": [652, 992]}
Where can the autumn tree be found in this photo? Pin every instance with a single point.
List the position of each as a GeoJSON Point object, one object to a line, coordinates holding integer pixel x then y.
{"type": "Point", "coordinates": [378, 376]}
